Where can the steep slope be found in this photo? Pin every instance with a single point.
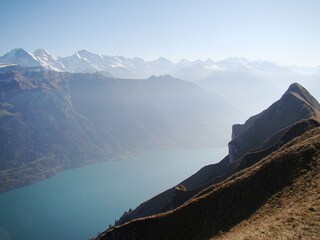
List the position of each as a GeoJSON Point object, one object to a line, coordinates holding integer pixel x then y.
{"type": "Point", "coordinates": [161, 109]}
{"type": "Point", "coordinates": [40, 131]}
{"type": "Point", "coordinates": [290, 214]}
{"type": "Point", "coordinates": [295, 113]}
{"type": "Point", "coordinates": [296, 104]}
{"type": "Point", "coordinates": [77, 63]}
{"type": "Point", "coordinates": [48, 61]}
{"type": "Point", "coordinates": [292, 169]}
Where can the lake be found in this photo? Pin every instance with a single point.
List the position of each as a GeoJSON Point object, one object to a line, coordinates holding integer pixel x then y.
{"type": "Point", "coordinates": [78, 203]}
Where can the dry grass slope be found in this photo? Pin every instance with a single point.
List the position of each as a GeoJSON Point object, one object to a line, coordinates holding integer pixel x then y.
{"type": "Point", "coordinates": [291, 214]}
{"type": "Point", "coordinates": [277, 198]}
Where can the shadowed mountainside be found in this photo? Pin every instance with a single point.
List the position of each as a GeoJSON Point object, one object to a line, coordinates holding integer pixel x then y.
{"type": "Point", "coordinates": [295, 113]}
{"type": "Point", "coordinates": [286, 180]}
{"type": "Point", "coordinates": [40, 131]}
{"type": "Point", "coordinates": [50, 121]}
{"type": "Point", "coordinates": [296, 104]}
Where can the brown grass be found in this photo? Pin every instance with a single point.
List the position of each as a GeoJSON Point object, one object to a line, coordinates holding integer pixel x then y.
{"type": "Point", "coordinates": [277, 198]}
{"type": "Point", "coordinates": [293, 213]}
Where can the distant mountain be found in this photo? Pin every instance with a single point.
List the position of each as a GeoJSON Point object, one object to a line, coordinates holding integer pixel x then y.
{"type": "Point", "coordinates": [84, 61]}
{"type": "Point", "coordinates": [40, 131]}
{"type": "Point", "coordinates": [196, 72]}
{"type": "Point", "coordinates": [242, 88]}
{"type": "Point", "coordinates": [260, 68]}
{"type": "Point", "coordinates": [77, 63]}
{"type": "Point", "coordinates": [295, 113]}
{"type": "Point", "coordinates": [46, 60]}
{"type": "Point", "coordinates": [237, 80]}
{"type": "Point", "coordinates": [168, 106]}
{"type": "Point", "coordinates": [241, 82]}
{"type": "Point", "coordinates": [50, 121]}
{"type": "Point", "coordinates": [20, 57]}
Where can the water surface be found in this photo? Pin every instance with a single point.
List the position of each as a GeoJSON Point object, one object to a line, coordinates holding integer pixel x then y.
{"type": "Point", "coordinates": [78, 203]}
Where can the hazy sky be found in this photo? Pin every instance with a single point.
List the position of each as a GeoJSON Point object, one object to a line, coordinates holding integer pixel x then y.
{"type": "Point", "coordinates": [280, 30]}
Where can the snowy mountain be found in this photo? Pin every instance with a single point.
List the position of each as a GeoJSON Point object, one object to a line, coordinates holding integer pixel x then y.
{"type": "Point", "coordinates": [46, 60]}
{"type": "Point", "coordinates": [77, 63]}
{"type": "Point", "coordinates": [84, 61]}
{"type": "Point", "coordinates": [20, 57]}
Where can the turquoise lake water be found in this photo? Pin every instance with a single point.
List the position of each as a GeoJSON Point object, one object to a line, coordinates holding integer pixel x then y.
{"type": "Point", "coordinates": [78, 203]}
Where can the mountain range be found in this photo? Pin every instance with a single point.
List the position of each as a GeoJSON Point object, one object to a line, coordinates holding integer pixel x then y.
{"type": "Point", "coordinates": [84, 61]}
{"type": "Point", "coordinates": [266, 187]}
{"type": "Point", "coordinates": [237, 80]}
{"type": "Point", "coordinates": [51, 121]}
{"type": "Point", "coordinates": [59, 113]}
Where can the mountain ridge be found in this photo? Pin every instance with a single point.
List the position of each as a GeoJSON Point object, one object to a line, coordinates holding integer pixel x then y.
{"type": "Point", "coordinates": [295, 104]}
{"type": "Point", "coordinates": [56, 120]}
{"type": "Point", "coordinates": [225, 205]}
{"type": "Point", "coordinates": [123, 67]}
{"type": "Point", "coordinates": [247, 154]}
{"type": "Point", "coordinates": [209, 208]}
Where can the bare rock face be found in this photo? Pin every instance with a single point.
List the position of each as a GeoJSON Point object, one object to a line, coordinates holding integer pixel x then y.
{"type": "Point", "coordinates": [295, 105]}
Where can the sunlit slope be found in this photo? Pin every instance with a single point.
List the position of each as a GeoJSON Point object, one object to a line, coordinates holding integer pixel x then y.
{"type": "Point", "coordinates": [286, 183]}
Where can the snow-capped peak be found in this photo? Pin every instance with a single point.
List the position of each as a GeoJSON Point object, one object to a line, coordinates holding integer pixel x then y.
{"type": "Point", "coordinates": [124, 67]}
{"type": "Point", "coordinates": [45, 59]}
{"type": "Point", "coordinates": [41, 51]}
{"type": "Point", "coordinates": [19, 56]}
{"type": "Point", "coordinates": [84, 52]}
{"type": "Point", "coordinates": [163, 60]}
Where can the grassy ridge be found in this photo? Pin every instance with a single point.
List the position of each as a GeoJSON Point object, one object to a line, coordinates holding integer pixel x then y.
{"type": "Point", "coordinates": [222, 206]}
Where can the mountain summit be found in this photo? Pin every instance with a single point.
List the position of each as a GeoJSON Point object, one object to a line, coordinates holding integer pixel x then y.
{"type": "Point", "coordinates": [295, 105]}
{"type": "Point", "coordinates": [20, 57]}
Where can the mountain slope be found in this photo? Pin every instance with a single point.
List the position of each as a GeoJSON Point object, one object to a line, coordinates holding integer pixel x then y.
{"type": "Point", "coordinates": [41, 132]}
{"type": "Point", "coordinates": [162, 107]}
{"type": "Point", "coordinates": [296, 104]}
{"type": "Point", "coordinates": [48, 61]}
{"type": "Point", "coordinates": [295, 113]}
{"type": "Point", "coordinates": [290, 214]}
{"type": "Point", "coordinates": [218, 208]}
{"type": "Point", "coordinates": [50, 121]}
{"type": "Point", "coordinates": [237, 80]}
{"type": "Point", "coordinates": [20, 57]}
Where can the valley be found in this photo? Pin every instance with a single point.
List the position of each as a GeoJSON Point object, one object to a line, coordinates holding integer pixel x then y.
{"type": "Point", "coordinates": [160, 120]}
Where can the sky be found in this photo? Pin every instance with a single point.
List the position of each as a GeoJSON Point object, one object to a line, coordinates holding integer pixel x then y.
{"type": "Point", "coordinates": [286, 31]}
